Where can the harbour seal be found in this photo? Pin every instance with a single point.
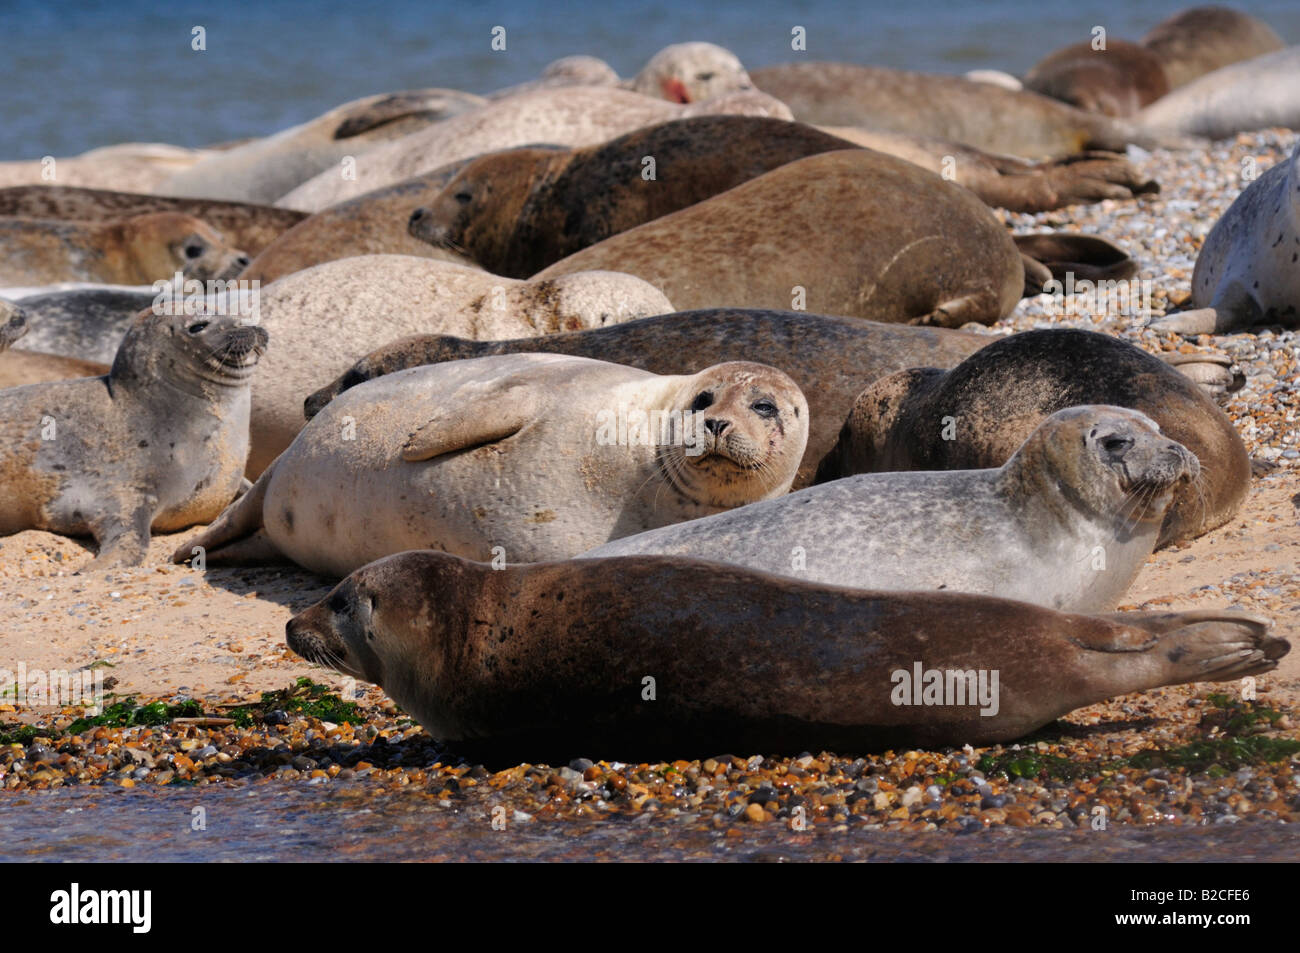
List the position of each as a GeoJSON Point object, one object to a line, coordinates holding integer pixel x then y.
{"type": "Point", "coordinates": [997, 396]}
{"type": "Point", "coordinates": [132, 251]}
{"type": "Point", "coordinates": [83, 323]}
{"type": "Point", "coordinates": [572, 116]}
{"type": "Point", "coordinates": [126, 167]}
{"type": "Point", "coordinates": [20, 367]}
{"type": "Point", "coordinates": [1248, 271]}
{"type": "Point", "coordinates": [370, 224]}
{"type": "Point", "coordinates": [1199, 40]}
{"type": "Point", "coordinates": [831, 359]}
{"type": "Point", "coordinates": [517, 211]}
{"type": "Point", "coordinates": [1117, 80]}
{"type": "Point", "coordinates": [327, 316]}
{"type": "Point", "coordinates": [988, 117]}
{"type": "Point", "coordinates": [864, 234]}
{"type": "Point", "coordinates": [548, 662]}
{"type": "Point", "coordinates": [538, 454]}
{"type": "Point", "coordinates": [250, 227]}
{"type": "Point", "coordinates": [691, 73]}
{"type": "Point", "coordinates": [1066, 523]}
{"type": "Point", "coordinates": [1254, 94]}
{"type": "Point", "coordinates": [264, 170]}
{"type": "Point", "coordinates": [1018, 185]}
{"type": "Point", "coordinates": [157, 444]}
{"type": "Point", "coordinates": [13, 323]}
{"type": "Point", "coordinates": [567, 71]}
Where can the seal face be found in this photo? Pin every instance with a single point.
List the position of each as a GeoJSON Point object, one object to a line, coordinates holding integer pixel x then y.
{"type": "Point", "coordinates": [691, 72]}
{"type": "Point", "coordinates": [13, 323]}
{"type": "Point", "coordinates": [133, 251]}
{"type": "Point", "coordinates": [1067, 522]}
{"type": "Point", "coordinates": [519, 663]}
{"type": "Point", "coordinates": [159, 443]}
{"type": "Point", "coordinates": [977, 414]}
{"type": "Point", "coordinates": [521, 457]}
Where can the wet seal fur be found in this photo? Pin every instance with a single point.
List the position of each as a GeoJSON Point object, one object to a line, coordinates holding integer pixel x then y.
{"type": "Point", "coordinates": [508, 452]}
{"type": "Point", "coordinates": [132, 251]}
{"type": "Point", "coordinates": [548, 662]}
{"type": "Point", "coordinates": [865, 234]}
{"type": "Point", "coordinates": [325, 317]}
{"type": "Point", "coordinates": [1248, 271]}
{"type": "Point", "coordinates": [250, 227]}
{"type": "Point", "coordinates": [831, 359]}
{"type": "Point", "coordinates": [158, 444]}
{"type": "Point", "coordinates": [1001, 393]}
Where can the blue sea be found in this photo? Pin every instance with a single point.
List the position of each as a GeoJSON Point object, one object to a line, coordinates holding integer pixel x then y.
{"type": "Point", "coordinates": [79, 74]}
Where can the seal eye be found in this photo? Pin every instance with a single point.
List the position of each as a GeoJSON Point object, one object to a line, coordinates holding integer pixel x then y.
{"type": "Point", "coordinates": [463, 197]}
{"type": "Point", "coordinates": [702, 400]}
{"type": "Point", "coordinates": [193, 250]}
{"type": "Point", "coordinates": [1116, 444]}
{"type": "Point", "coordinates": [338, 603]}
{"type": "Point", "coordinates": [764, 408]}
{"type": "Point", "coordinates": [197, 327]}
{"type": "Point", "coordinates": [704, 77]}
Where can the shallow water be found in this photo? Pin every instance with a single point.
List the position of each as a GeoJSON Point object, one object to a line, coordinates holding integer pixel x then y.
{"type": "Point", "coordinates": [82, 73]}
{"type": "Point", "coordinates": [348, 822]}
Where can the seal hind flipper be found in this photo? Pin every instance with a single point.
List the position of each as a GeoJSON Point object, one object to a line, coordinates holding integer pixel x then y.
{"type": "Point", "coordinates": [1202, 645]}
{"type": "Point", "coordinates": [1087, 257]}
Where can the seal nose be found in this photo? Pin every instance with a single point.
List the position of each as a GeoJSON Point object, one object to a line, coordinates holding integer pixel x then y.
{"type": "Point", "coordinates": [418, 215]}
{"type": "Point", "coordinates": [715, 426]}
{"type": "Point", "coordinates": [242, 261]}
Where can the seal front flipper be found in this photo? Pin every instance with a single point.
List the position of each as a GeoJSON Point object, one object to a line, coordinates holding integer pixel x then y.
{"type": "Point", "coordinates": [413, 351]}
{"type": "Point", "coordinates": [238, 522]}
{"type": "Point", "coordinates": [492, 414]}
{"type": "Point", "coordinates": [123, 538]}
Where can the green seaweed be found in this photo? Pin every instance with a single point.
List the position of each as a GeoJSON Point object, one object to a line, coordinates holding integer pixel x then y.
{"type": "Point", "coordinates": [303, 697]}
{"type": "Point", "coordinates": [127, 714]}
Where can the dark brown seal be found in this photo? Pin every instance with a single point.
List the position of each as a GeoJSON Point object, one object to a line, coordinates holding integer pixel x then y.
{"type": "Point", "coordinates": [250, 227]}
{"type": "Point", "coordinates": [1200, 40]}
{"type": "Point", "coordinates": [852, 232]}
{"type": "Point", "coordinates": [1117, 80]}
{"type": "Point", "coordinates": [831, 359]}
{"type": "Point", "coordinates": [516, 212]}
{"type": "Point", "coordinates": [977, 414]}
{"type": "Point", "coordinates": [642, 658]}
{"type": "Point", "coordinates": [370, 224]}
